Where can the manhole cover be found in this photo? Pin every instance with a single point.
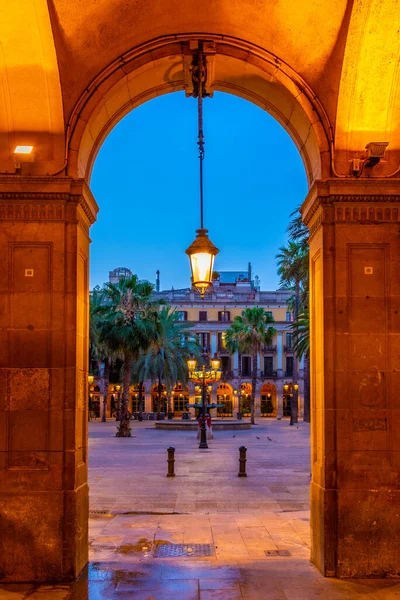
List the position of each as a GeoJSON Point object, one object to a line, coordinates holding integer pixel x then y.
{"type": "Point", "coordinates": [277, 552]}
{"type": "Point", "coordinates": [171, 550]}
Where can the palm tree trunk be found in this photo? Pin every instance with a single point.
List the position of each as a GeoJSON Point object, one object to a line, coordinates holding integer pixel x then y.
{"type": "Point", "coordinates": [124, 429]}
{"type": "Point", "coordinates": [239, 385]}
{"type": "Point", "coordinates": [253, 388]}
{"type": "Point", "coordinates": [106, 381]}
{"type": "Point", "coordinates": [294, 400]}
{"type": "Point", "coordinates": [159, 399]}
{"type": "Point", "coordinates": [307, 411]}
{"type": "Point", "coordinates": [140, 401]}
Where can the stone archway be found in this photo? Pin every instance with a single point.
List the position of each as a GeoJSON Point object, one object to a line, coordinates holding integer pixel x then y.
{"type": "Point", "coordinates": [162, 65]}
{"type": "Point", "coordinates": [46, 209]}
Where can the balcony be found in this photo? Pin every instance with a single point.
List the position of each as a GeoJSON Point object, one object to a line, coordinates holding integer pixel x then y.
{"type": "Point", "coordinates": [271, 349]}
{"type": "Point", "coordinates": [288, 373]}
{"type": "Point", "coordinates": [268, 374]}
{"type": "Point", "coordinates": [288, 348]}
{"type": "Point", "coordinates": [246, 373]}
{"type": "Point", "coordinates": [227, 375]}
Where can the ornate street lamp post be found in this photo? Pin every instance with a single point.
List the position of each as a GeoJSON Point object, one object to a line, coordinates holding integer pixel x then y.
{"type": "Point", "coordinates": [202, 251]}
{"type": "Point", "coordinates": [205, 374]}
{"type": "Point", "coordinates": [237, 399]}
{"type": "Point", "coordinates": [294, 403]}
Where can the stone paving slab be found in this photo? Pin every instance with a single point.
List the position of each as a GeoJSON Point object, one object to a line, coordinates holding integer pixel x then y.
{"type": "Point", "coordinates": [206, 503]}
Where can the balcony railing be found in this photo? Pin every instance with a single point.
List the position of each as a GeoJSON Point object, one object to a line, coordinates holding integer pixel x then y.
{"type": "Point", "coordinates": [268, 374]}
{"type": "Point", "coordinates": [246, 373]}
{"type": "Point", "coordinates": [227, 375]}
{"type": "Point", "coordinates": [269, 349]}
{"type": "Point", "coordinates": [288, 373]}
{"type": "Point", "coordinates": [288, 348]}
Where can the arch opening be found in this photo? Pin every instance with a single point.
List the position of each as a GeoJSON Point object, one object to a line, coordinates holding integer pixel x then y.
{"type": "Point", "coordinates": [162, 66]}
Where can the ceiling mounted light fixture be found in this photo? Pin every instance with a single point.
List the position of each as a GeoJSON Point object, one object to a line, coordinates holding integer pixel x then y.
{"type": "Point", "coordinates": [23, 149]}
{"type": "Point", "coordinates": [202, 251]}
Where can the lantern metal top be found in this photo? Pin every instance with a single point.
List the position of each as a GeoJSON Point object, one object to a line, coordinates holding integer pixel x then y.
{"type": "Point", "coordinates": [202, 243]}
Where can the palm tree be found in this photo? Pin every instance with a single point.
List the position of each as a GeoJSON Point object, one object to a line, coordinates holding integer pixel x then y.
{"type": "Point", "coordinates": [165, 359]}
{"type": "Point", "coordinates": [293, 267]}
{"type": "Point", "coordinates": [248, 334]}
{"type": "Point", "coordinates": [99, 351]}
{"type": "Point", "coordinates": [301, 345]}
{"type": "Point", "coordinates": [292, 263]}
{"type": "Point", "coordinates": [127, 325]}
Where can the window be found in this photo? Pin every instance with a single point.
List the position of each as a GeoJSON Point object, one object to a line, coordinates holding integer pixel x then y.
{"type": "Point", "coordinates": [221, 341]}
{"type": "Point", "coordinates": [289, 366]}
{"type": "Point", "coordinates": [268, 366]}
{"type": "Point", "coordinates": [289, 341]}
{"type": "Point", "coordinates": [246, 366]}
{"type": "Point", "coordinates": [179, 402]}
{"type": "Point", "coordinates": [224, 316]}
{"type": "Point", "coordinates": [225, 363]}
{"type": "Point", "coordinates": [182, 315]}
{"type": "Point", "coordinates": [204, 340]}
{"type": "Point", "coordinates": [202, 315]}
{"type": "Point", "coordinates": [288, 317]}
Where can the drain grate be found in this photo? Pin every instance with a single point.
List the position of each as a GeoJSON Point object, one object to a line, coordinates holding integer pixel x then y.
{"type": "Point", "coordinates": [277, 553]}
{"type": "Point", "coordinates": [173, 550]}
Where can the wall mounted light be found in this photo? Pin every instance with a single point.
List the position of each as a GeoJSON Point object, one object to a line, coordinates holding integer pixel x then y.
{"type": "Point", "coordinates": [375, 152]}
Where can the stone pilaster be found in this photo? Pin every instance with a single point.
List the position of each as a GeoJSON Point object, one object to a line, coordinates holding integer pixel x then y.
{"type": "Point", "coordinates": [355, 376]}
{"type": "Point", "coordinates": [44, 261]}
{"type": "Point", "coordinates": [279, 399]}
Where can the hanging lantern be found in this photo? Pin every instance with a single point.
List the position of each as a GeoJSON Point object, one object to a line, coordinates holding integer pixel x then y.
{"type": "Point", "coordinates": [202, 253]}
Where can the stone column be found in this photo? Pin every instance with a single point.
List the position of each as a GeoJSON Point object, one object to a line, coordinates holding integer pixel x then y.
{"type": "Point", "coordinates": [279, 350]}
{"type": "Point", "coordinates": [235, 363]}
{"type": "Point", "coordinates": [355, 376]}
{"type": "Point", "coordinates": [148, 408]}
{"type": "Point", "coordinates": [44, 295]}
{"type": "Point", "coordinates": [279, 399]}
{"type": "Point", "coordinates": [213, 343]}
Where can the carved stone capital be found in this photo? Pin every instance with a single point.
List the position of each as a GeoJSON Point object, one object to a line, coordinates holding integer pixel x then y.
{"type": "Point", "coordinates": [353, 200]}
{"type": "Point", "coordinates": [46, 199]}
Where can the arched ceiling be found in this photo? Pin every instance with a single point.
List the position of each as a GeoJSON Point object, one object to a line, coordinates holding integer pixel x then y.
{"type": "Point", "coordinates": [345, 53]}
{"type": "Point", "coordinates": [30, 93]}
{"type": "Point", "coordinates": [90, 34]}
{"type": "Point", "coordinates": [233, 67]}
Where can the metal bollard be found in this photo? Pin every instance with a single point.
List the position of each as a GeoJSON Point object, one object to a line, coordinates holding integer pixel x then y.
{"type": "Point", "coordinates": [242, 461]}
{"type": "Point", "coordinates": [171, 461]}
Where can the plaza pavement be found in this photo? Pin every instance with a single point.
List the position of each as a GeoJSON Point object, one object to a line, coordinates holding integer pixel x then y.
{"type": "Point", "coordinates": [258, 527]}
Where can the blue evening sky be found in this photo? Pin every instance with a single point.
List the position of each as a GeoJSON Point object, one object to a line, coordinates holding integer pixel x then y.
{"type": "Point", "coordinates": [145, 180]}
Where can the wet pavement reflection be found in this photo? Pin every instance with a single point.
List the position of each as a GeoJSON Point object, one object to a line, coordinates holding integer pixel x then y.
{"type": "Point", "coordinates": [257, 527]}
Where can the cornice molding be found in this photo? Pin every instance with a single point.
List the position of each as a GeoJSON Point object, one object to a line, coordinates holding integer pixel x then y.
{"type": "Point", "coordinates": [324, 193]}
{"type": "Point", "coordinates": [20, 198]}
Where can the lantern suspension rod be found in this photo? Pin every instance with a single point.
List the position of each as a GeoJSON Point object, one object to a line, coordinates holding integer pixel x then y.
{"type": "Point", "coordinates": [201, 78]}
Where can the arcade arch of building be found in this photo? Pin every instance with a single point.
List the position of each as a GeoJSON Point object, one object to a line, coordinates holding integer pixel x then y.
{"type": "Point", "coordinates": [330, 75]}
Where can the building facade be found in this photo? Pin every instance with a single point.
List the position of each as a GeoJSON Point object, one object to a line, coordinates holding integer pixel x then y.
{"type": "Point", "coordinates": [232, 292]}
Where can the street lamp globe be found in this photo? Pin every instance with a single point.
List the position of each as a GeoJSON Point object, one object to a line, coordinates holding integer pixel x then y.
{"type": "Point", "coordinates": [215, 363]}
{"type": "Point", "coordinates": [191, 363]}
{"type": "Point", "coordinates": [90, 379]}
{"type": "Point", "coordinates": [202, 253]}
